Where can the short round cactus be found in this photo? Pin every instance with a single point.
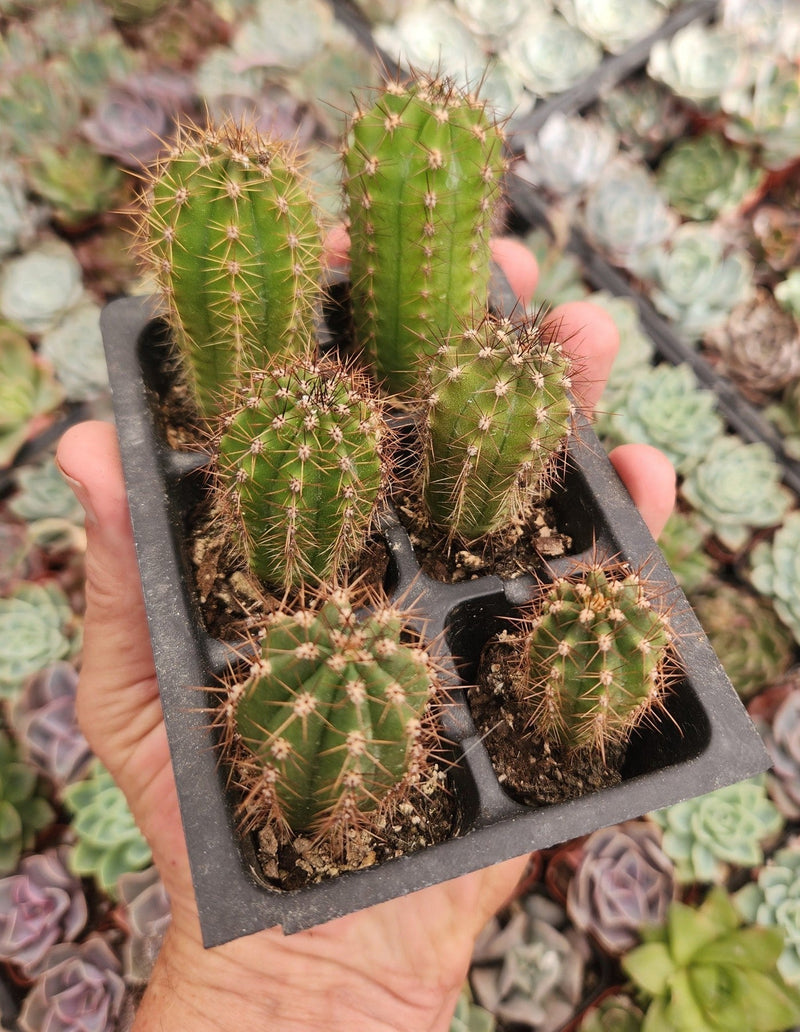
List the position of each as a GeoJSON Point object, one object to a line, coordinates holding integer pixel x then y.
{"type": "Point", "coordinates": [233, 238]}
{"type": "Point", "coordinates": [330, 719]}
{"type": "Point", "coordinates": [423, 169]}
{"type": "Point", "coordinates": [597, 658]}
{"type": "Point", "coordinates": [301, 463]}
{"type": "Point", "coordinates": [499, 411]}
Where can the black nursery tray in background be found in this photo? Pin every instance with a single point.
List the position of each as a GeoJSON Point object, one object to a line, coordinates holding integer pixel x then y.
{"type": "Point", "coordinates": [704, 742]}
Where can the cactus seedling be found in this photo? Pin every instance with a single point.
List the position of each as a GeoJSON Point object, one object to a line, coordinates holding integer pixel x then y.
{"type": "Point", "coordinates": [331, 718]}
{"type": "Point", "coordinates": [423, 170]}
{"type": "Point", "coordinates": [301, 462]}
{"type": "Point", "coordinates": [597, 653]}
{"type": "Point", "coordinates": [498, 413]}
{"type": "Point", "coordinates": [233, 239]}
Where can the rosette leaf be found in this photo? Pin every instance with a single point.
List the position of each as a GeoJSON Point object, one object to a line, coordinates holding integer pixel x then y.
{"type": "Point", "coordinates": [698, 63]}
{"type": "Point", "coordinates": [37, 627]}
{"type": "Point", "coordinates": [24, 810]}
{"type": "Point", "coordinates": [774, 568]}
{"type": "Point", "coordinates": [28, 393]}
{"type": "Point", "coordinates": [705, 176]}
{"type": "Point", "coordinates": [773, 901]}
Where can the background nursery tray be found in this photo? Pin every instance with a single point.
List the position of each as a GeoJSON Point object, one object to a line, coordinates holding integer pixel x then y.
{"type": "Point", "coordinates": [703, 742]}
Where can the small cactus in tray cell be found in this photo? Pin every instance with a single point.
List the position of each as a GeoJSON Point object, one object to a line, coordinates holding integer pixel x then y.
{"type": "Point", "coordinates": [499, 412]}
{"type": "Point", "coordinates": [331, 719]}
{"type": "Point", "coordinates": [423, 170]}
{"type": "Point", "coordinates": [300, 462]}
{"type": "Point", "coordinates": [233, 238]}
{"type": "Point", "coordinates": [597, 658]}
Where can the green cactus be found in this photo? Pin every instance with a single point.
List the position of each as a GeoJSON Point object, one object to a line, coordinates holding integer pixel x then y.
{"type": "Point", "coordinates": [499, 412]}
{"type": "Point", "coordinates": [301, 463]}
{"type": "Point", "coordinates": [423, 169]}
{"type": "Point", "coordinates": [331, 718]}
{"type": "Point", "coordinates": [233, 239]}
{"type": "Point", "coordinates": [597, 658]}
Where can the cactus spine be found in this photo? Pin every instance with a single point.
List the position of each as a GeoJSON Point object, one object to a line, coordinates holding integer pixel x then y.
{"type": "Point", "coordinates": [596, 656]}
{"type": "Point", "coordinates": [233, 239]}
{"type": "Point", "coordinates": [423, 169]}
{"type": "Point", "coordinates": [499, 411]}
{"type": "Point", "coordinates": [301, 462]}
{"type": "Point", "coordinates": [331, 717]}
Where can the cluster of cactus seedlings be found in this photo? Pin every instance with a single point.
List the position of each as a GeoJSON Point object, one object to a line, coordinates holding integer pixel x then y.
{"type": "Point", "coordinates": [330, 722]}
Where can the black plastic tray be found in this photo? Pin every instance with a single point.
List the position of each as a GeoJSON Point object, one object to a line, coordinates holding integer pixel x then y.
{"type": "Point", "coordinates": [705, 742]}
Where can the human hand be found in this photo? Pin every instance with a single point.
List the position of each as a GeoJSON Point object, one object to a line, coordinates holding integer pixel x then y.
{"type": "Point", "coordinates": [399, 965]}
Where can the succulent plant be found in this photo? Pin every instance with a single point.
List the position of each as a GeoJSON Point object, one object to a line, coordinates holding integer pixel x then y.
{"type": "Point", "coordinates": [108, 842]}
{"type": "Point", "coordinates": [623, 881]}
{"type": "Point", "coordinates": [300, 464]}
{"type": "Point", "coordinates": [776, 228]}
{"type": "Point", "coordinates": [703, 971]}
{"type": "Point", "coordinates": [645, 116]}
{"type": "Point", "coordinates": [736, 489]}
{"type": "Point", "coordinates": [24, 810]}
{"type": "Point", "coordinates": [147, 915]}
{"type": "Point", "coordinates": [665, 407]}
{"type": "Point", "coordinates": [75, 181]}
{"type": "Point", "coordinates": [499, 413]}
{"type": "Point", "coordinates": [330, 722]}
{"type": "Point", "coordinates": [615, 24]}
{"type": "Point", "coordinates": [773, 901]}
{"type": "Point", "coordinates": [80, 986]}
{"type": "Point", "coordinates": [37, 627]}
{"type": "Point", "coordinates": [74, 348]}
{"type": "Point", "coordinates": [39, 286]}
{"type": "Point", "coordinates": [596, 657]}
{"type": "Point", "coordinates": [490, 18]}
{"type": "Point", "coordinates": [785, 415]}
{"type": "Point", "coordinates": [233, 239]}
{"type": "Point", "coordinates": [696, 282]}
{"type": "Point", "coordinates": [42, 493]}
{"type": "Point", "coordinates": [45, 720]}
{"type": "Point", "coordinates": [764, 24]}
{"type": "Point", "coordinates": [705, 837]}
{"type": "Point", "coordinates": [40, 905]}
{"type": "Point", "coordinates": [764, 112]}
{"type": "Point", "coordinates": [614, 1013]}
{"type": "Point", "coordinates": [28, 393]}
{"type": "Point", "coordinates": [430, 152]}
{"type": "Point", "coordinates": [19, 218]}
{"type": "Point", "coordinates": [529, 968]}
{"type": "Point", "coordinates": [758, 347]}
{"type": "Point", "coordinates": [774, 567]}
{"type": "Point", "coordinates": [283, 34]}
{"type": "Point", "coordinates": [705, 176]}
{"type": "Point", "coordinates": [133, 11]}
{"type": "Point", "coordinates": [754, 646]}
{"type": "Point", "coordinates": [469, 1017]}
{"type": "Point", "coordinates": [787, 294]}
{"type": "Point", "coordinates": [681, 543]}
{"type": "Point", "coordinates": [536, 53]}
{"type": "Point", "coordinates": [568, 154]}
{"type": "Point", "coordinates": [698, 62]}
{"type": "Point", "coordinates": [625, 213]}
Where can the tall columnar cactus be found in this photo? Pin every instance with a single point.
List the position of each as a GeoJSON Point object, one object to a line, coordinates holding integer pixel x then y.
{"type": "Point", "coordinates": [233, 238]}
{"type": "Point", "coordinates": [331, 718]}
{"type": "Point", "coordinates": [499, 412]}
{"type": "Point", "coordinates": [301, 462]}
{"type": "Point", "coordinates": [597, 658]}
{"type": "Point", "coordinates": [423, 170]}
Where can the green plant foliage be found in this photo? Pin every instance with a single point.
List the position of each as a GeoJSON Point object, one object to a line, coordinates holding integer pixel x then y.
{"type": "Point", "coordinates": [704, 176]}
{"type": "Point", "coordinates": [469, 1017]}
{"type": "Point", "coordinates": [775, 571]}
{"type": "Point", "coordinates": [27, 391]}
{"type": "Point", "coordinates": [614, 1013]}
{"type": "Point", "coordinates": [681, 543]}
{"type": "Point", "coordinates": [773, 901]}
{"type": "Point", "coordinates": [37, 627]}
{"type": "Point", "coordinates": [23, 809]}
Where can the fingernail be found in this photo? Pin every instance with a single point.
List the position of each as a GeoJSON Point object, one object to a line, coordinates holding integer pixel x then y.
{"type": "Point", "coordinates": [80, 492]}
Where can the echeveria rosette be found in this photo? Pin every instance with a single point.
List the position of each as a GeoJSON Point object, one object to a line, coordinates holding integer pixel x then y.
{"type": "Point", "coordinates": [755, 648]}
{"type": "Point", "coordinates": [614, 24]}
{"type": "Point", "coordinates": [645, 116]}
{"type": "Point", "coordinates": [787, 294]}
{"type": "Point", "coordinates": [80, 986]}
{"type": "Point", "coordinates": [39, 286]}
{"type": "Point", "coordinates": [147, 916]}
{"type": "Point", "coordinates": [75, 181]}
{"type": "Point", "coordinates": [41, 904]}
{"type": "Point", "coordinates": [737, 489]}
{"type": "Point", "coordinates": [697, 63]}
{"type": "Point", "coordinates": [695, 281]}
{"type": "Point", "coordinates": [24, 810]}
{"type": "Point", "coordinates": [784, 414]}
{"type": "Point", "coordinates": [74, 348]}
{"type": "Point", "coordinates": [681, 542]}
{"type": "Point", "coordinates": [537, 54]}
{"type": "Point", "coordinates": [775, 571]}
{"type": "Point", "coordinates": [707, 836]}
{"type": "Point", "coordinates": [766, 112]}
{"type": "Point", "coordinates": [766, 25]}
{"type": "Point", "coordinates": [624, 880]}
{"type": "Point", "coordinates": [664, 406]}
{"type": "Point", "coordinates": [469, 1017]}
{"type": "Point", "coordinates": [614, 1013]}
{"type": "Point", "coordinates": [28, 392]}
{"type": "Point", "coordinates": [109, 843]}
{"type": "Point", "coordinates": [37, 627]}
{"type": "Point", "coordinates": [703, 971]}
{"type": "Point", "coordinates": [773, 901]}
{"type": "Point", "coordinates": [705, 176]}
{"type": "Point", "coordinates": [567, 155]}
{"type": "Point", "coordinates": [42, 493]}
{"type": "Point", "coordinates": [19, 218]}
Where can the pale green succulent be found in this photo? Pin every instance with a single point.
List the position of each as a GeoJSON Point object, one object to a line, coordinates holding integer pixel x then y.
{"type": "Point", "coordinates": [19, 218]}
{"type": "Point", "coordinates": [681, 542]}
{"type": "Point", "coordinates": [766, 112]}
{"type": "Point", "coordinates": [109, 843]}
{"type": "Point", "coordinates": [754, 647]}
{"type": "Point", "coordinates": [24, 811]}
{"type": "Point", "coordinates": [773, 901]}
{"type": "Point", "coordinates": [645, 116]}
{"type": "Point", "coordinates": [765, 25]}
{"type": "Point", "coordinates": [38, 287]}
{"type": "Point", "coordinates": [537, 49]}
{"type": "Point", "coordinates": [37, 628]}
{"type": "Point", "coordinates": [737, 489]}
{"type": "Point", "coordinates": [697, 63]}
{"type": "Point", "coordinates": [494, 18]}
{"type": "Point", "coordinates": [696, 281]}
{"type": "Point", "coordinates": [568, 153]}
{"type": "Point", "coordinates": [663, 406]}
{"type": "Point", "coordinates": [787, 294]}
{"type": "Point", "coordinates": [705, 176]}
{"type": "Point", "coordinates": [74, 180]}
{"type": "Point", "coordinates": [469, 1017]}
{"type": "Point", "coordinates": [74, 348]}
{"type": "Point", "coordinates": [775, 571]}
{"type": "Point", "coordinates": [28, 391]}
{"type": "Point", "coordinates": [614, 24]}
{"type": "Point", "coordinates": [614, 1013]}
{"type": "Point", "coordinates": [707, 836]}
{"type": "Point", "coordinates": [785, 415]}
{"type": "Point", "coordinates": [42, 493]}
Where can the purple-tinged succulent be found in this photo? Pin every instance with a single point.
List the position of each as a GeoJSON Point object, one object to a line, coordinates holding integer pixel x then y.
{"type": "Point", "coordinates": [781, 736]}
{"type": "Point", "coordinates": [80, 987]}
{"type": "Point", "coordinates": [147, 915]}
{"type": "Point", "coordinates": [41, 905]}
{"type": "Point", "coordinates": [48, 727]}
{"type": "Point", "coordinates": [134, 121]}
{"type": "Point", "coordinates": [624, 881]}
